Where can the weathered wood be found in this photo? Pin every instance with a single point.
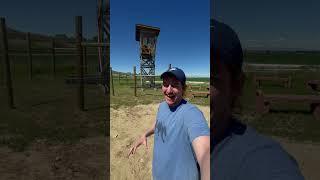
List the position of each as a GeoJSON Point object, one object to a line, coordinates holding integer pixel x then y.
{"type": "Point", "coordinates": [85, 60]}
{"type": "Point", "coordinates": [53, 57]}
{"type": "Point", "coordinates": [285, 80]}
{"type": "Point", "coordinates": [78, 27]}
{"type": "Point", "coordinates": [135, 81]}
{"type": "Point", "coordinates": [111, 75]}
{"type": "Point", "coordinates": [200, 93]}
{"type": "Point", "coordinates": [263, 101]}
{"type": "Point", "coordinates": [314, 84]}
{"type": "Point", "coordinates": [29, 54]}
{"type": "Point", "coordinates": [7, 62]}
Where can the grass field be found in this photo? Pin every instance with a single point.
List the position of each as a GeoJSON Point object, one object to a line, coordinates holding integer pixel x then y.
{"type": "Point", "coordinates": [46, 107]}
{"type": "Point", "coordinates": [283, 57]}
{"type": "Point", "coordinates": [124, 93]}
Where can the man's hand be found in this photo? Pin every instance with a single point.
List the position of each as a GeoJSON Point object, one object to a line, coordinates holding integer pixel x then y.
{"type": "Point", "coordinates": [141, 140]}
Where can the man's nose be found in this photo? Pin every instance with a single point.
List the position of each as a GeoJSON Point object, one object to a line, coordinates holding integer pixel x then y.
{"type": "Point", "coordinates": [169, 89]}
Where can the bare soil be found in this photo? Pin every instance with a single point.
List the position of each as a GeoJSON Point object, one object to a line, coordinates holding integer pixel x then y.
{"type": "Point", "coordinates": [85, 160]}
{"type": "Point", "coordinates": [127, 124]}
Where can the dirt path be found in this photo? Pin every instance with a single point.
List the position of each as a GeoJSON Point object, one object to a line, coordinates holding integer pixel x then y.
{"type": "Point", "coordinates": [127, 124]}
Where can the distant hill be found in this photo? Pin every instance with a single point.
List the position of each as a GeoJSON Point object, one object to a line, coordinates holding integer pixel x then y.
{"type": "Point", "coordinates": [17, 40]}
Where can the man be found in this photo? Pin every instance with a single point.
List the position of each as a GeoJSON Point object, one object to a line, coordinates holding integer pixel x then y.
{"type": "Point", "coordinates": [238, 151]}
{"type": "Point", "coordinates": [181, 141]}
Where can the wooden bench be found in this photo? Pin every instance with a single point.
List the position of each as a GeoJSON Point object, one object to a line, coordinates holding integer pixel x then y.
{"type": "Point", "coordinates": [286, 81]}
{"type": "Point", "coordinates": [263, 101]}
{"type": "Point", "coordinates": [200, 93]}
{"type": "Point", "coordinates": [314, 84]}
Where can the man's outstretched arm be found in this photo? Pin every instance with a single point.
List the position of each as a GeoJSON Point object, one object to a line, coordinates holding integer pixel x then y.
{"type": "Point", "coordinates": [142, 139]}
{"type": "Point", "coordinates": [201, 147]}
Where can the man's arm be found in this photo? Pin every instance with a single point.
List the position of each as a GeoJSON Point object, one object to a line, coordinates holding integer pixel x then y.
{"type": "Point", "coordinates": [201, 147]}
{"type": "Point", "coordinates": [143, 139]}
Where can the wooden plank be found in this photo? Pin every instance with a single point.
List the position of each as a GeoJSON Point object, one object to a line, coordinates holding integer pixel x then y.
{"type": "Point", "coordinates": [200, 93]}
{"type": "Point", "coordinates": [297, 98]}
{"type": "Point", "coordinates": [285, 80]}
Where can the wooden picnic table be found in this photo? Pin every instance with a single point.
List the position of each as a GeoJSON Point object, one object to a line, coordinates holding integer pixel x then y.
{"type": "Point", "coordinates": [201, 93]}
{"type": "Point", "coordinates": [263, 101]}
{"type": "Point", "coordinates": [314, 84]}
{"type": "Point", "coordinates": [285, 80]}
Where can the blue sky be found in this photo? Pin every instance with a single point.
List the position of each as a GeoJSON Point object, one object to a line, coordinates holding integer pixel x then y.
{"type": "Point", "coordinates": [183, 40]}
{"type": "Point", "coordinates": [49, 17]}
{"type": "Point", "coordinates": [272, 24]}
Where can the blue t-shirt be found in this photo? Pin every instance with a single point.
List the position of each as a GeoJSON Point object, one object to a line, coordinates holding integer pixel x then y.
{"type": "Point", "coordinates": [176, 128]}
{"type": "Point", "coordinates": [246, 155]}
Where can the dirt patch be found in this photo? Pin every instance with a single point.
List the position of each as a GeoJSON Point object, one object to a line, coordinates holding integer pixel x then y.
{"type": "Point", "coordinates": [84, 160]}
{"type": "Point", "coordinates": [306, 154]}
{"type": "Point", "coordinates": [128, 123]}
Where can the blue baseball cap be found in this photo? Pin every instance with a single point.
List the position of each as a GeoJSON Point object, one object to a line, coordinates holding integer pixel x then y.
{"type": "Point", "coordinates": [225, 43]}
{"type": "Point", "coordinates": [178, 73]}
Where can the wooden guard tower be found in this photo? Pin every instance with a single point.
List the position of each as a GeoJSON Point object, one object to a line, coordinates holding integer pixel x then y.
{"type": "Point", "coordinates": [147, 36]}
{"type": "Point", "coordinates": [103, 22]}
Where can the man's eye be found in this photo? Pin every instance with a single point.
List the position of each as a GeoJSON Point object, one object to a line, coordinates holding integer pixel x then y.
{"type": "Point", "coordinates": [165, 84]}
{"type": "Point", "coordinates": [175, 85]}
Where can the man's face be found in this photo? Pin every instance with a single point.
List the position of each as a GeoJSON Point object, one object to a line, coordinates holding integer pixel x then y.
{"type": "Point", "coordinates": [172, 90]}
{"type": "Point", "coordinates": [224, 90]}
{"type": "Point", "coordinates": [221, 95]}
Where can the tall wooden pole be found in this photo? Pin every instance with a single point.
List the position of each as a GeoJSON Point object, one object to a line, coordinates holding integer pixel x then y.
{"type": "Point", "coordinates": [7, 62]}
{"type": "Point", "coordinates": [53, 58]}
{"type": "Point", "coordinates": [85, 60]}
{"type": "Point", "coordinates": [119, 77]}
{"type": "Point", "coordinates": [78, 27]}
{"type": "Point", "coordinates": [135, 81]}
{"type": "Point", "coordinates": [29, 54]}
{"type": "Point", "coordinates": [111, 74]}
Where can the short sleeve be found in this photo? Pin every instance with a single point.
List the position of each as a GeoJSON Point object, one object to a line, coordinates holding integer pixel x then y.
{"type": "Point", "coordinates": [196, 124]}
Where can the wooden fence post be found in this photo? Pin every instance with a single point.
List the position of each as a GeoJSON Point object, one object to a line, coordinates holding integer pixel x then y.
{"type": "Point", "coordinates": [7, 62]}
{"type": "Point", "coordinates": [78, 27]}
{"type": "Point", "coordinates": [53, 58]}
{"type": "Point", "coordinates": [135, 81]}
{"type": "Point", "coordinates": [119, 77]}
{"type": "Point", "coordinates": [85, 60]}
{"type": "Point", "coordinates": [29, 54]}
{"type": "Point", "coordinates": [111, 74]}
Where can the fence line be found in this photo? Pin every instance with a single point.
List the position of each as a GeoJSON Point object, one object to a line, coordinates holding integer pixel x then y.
{"type": "Point", "coordinates": [80, 51]}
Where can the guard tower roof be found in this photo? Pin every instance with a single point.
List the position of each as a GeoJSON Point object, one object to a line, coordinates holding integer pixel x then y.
{"type": "Point", "coordinates": [140, 27]}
